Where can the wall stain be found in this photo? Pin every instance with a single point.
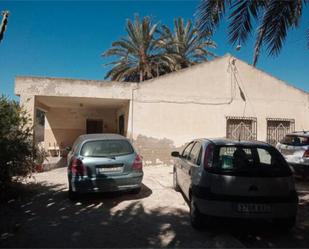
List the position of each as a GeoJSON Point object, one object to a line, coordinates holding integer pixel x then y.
{"type": "Point", "coordinates": [155, 151]}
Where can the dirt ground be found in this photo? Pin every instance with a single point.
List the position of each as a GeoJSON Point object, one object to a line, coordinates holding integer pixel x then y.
{"type": "Point", "coordinates": [157, 217]}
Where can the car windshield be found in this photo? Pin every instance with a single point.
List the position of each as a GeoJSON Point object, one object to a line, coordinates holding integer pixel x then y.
{"type": "Point", "coordinates": [249, 160]}
{"type": "Point", "coordinates": [295, 140]}
{"type": "Point", "coordinates": [106, 148]}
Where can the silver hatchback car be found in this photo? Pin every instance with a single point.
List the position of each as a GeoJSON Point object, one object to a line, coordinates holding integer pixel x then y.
{"type": "Point", "coordinates": [103, 163]}
{"type": "Point", "coordinates": [295, 148]}
{"type": "Point", "coordinates": [236, 179]}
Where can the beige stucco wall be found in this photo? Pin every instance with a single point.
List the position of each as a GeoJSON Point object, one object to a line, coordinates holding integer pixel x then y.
{"type": "Point", "coordinates": [168, 111]}
{"type": "Point", "coordinates": [195, 103]}
{"type": "Point", "coordinates": [64, 125]}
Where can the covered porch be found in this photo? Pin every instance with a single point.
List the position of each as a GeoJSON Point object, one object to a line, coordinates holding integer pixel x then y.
{"type": "Point", "coordinates": [60, 120]}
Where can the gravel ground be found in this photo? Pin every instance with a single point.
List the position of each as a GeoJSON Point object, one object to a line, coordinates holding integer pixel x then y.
{"type": "Point", "coordinates": [157, 217]}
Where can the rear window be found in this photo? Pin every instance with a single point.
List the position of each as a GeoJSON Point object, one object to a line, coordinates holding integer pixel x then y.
{"type": "Point", "coordinates": [106, 148]}
{"type": "Point", "coordinates": [295, 140]}
{"type": "Point", "coordinates": [240, 160]}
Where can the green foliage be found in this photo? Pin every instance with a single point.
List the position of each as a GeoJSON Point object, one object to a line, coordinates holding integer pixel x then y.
{"type": "Point", "coordinates": [274, 18]}
{"type": "Point", "coordinates": [138, 54]}
{"type": "Point", "coordinates": [17, 153]}
{"type": "Point", "coordinates": [150, 50]}
{"type": "Point", "coordinates": [185, 46]}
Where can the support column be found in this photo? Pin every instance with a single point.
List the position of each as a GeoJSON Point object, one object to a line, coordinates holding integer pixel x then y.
{"type": "Point", "coordinates": [28, 104]}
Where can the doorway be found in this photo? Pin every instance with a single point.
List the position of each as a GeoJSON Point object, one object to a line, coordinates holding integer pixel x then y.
{"type": "Point", "coordinates": [121, 125]}
{"type": "Point", "coordinates": [94, 126]}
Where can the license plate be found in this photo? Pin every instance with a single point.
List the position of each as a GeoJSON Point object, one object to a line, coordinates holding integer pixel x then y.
{"type": "Point", "coordinates": [109, 170]}
{"type": "Point", "coordinates": [253, 208]}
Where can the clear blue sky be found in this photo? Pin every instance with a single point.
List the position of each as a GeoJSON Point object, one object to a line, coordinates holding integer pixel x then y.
{"type": "Point", "coordinates": [65, 39]}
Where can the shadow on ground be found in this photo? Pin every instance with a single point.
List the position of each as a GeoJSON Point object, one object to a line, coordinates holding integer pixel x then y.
{"type": "Point", "coordinates": [44, 217]}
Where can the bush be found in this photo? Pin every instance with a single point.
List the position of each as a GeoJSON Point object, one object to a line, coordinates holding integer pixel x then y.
{"type": "Point", "coordinates": [17, 153]}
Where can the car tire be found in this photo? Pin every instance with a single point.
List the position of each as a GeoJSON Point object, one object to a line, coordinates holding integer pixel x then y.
{"type": "Point", "coordinates": [136, 191]}
{"type": "Point", "coordinates": [196, 217]}
{"type": "Point", "coordinates": [175, 181]}
{"type": "Point", "coordinates": [285, 224]}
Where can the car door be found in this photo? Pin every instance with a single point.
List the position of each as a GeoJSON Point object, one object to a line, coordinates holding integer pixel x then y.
{"type": "Point", "coordinates": [182, 162]}
{"type": "Point", "coordinates": [191, 166]}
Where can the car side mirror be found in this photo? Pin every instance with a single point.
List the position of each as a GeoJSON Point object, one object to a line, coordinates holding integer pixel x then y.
{"type": "Point", "coordinates": [68, 148]}
{"type": "Point", "coordinates": [175, 154]}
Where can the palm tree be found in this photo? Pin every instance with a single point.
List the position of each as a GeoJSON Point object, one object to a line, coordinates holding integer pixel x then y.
{"type": "Point", "coordinates": [185, 46]}
{"type": "Point", "coordinates": [274, 17]}
{"type": "Point", "coordinates": [138, 54]}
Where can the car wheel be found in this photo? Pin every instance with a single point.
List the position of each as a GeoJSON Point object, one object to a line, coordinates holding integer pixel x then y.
{"type": "Point", "coordinates": [175, 181]}
{"type": "Point", "coordinates": [136, 191]}
{"type": "Point", "coordinates": [285, 224]}
{"type": "Point", "coordinates": [196, 217]}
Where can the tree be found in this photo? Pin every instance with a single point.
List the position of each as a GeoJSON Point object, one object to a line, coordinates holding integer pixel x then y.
{"type": "Point", "coordinates": [185, 46]}
{"type": "Point", "coordinates": [4, 22]}
{"type": "Point", "coordinates": [273, 17]}
{"type": "Point", "coordinates": [138, 54]}
{"type": "Point", "coordinates": [17, 151]}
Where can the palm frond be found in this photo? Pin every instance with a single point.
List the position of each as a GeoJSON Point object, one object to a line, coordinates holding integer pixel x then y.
{"type": "Point", "coordinates": [185, 46]}
{"type": "Point", "coordinates": [240, 26]}
{"type": "Point", "coordinates": [209, 14]}
{"type": "Point", "coordinates": [279, 17]}
{"type": "Point", "coordinates": [273, 17]}
{"type": "Point", "coordinates": [135, 53]}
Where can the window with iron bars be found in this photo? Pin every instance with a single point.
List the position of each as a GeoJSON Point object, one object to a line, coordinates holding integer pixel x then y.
{"type": "Point", "coordinates": [241, 128]}
{"type": "Point", "coordinates": [277, 128]}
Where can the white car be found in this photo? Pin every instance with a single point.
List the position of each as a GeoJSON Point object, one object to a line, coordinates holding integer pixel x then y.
{"type": "Point", "coordinates": [295, 149]}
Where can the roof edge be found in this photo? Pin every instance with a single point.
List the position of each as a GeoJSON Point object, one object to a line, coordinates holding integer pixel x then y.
{"type": "Point", "coordinates": [270, 75]}
{"type": "Point", "coordinates": [21, 77]}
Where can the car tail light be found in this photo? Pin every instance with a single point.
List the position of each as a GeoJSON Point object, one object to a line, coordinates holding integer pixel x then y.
{"type": "Point", "coordinates": [77, 167]}
{"type": "Point", "coordinates": [138, 163]}
{"type": "Point", "coordinates": [208, 157]}
{"type": "Point", "coordinates": [306, 154]}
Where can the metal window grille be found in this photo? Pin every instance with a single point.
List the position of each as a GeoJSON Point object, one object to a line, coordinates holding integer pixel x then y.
{"type": "Point", "coordinates": [278, 128]}
{"type": "Point", "coordinates": [243, 128]}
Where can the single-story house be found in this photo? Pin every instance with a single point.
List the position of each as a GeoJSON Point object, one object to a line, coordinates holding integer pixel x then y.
{"type": "Point", "coordinates": [225, 97]}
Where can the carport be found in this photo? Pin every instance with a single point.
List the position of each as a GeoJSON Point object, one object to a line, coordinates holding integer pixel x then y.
{"type": "Point", "coordinates": [65, 118]}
